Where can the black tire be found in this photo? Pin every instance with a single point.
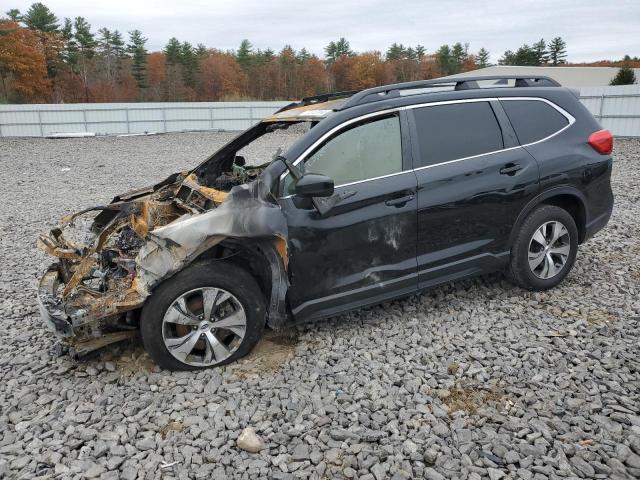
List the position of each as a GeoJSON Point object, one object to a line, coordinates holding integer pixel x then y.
{"type": "Point", "coordinates": [217, 274]}
{"type": "Point", "coordinates": [520, 271]}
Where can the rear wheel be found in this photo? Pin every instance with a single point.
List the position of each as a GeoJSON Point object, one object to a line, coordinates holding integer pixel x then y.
{"type": "Point", "coordinates": [207, 315]}
{"type": "Point", "coordinates": [545, 249]}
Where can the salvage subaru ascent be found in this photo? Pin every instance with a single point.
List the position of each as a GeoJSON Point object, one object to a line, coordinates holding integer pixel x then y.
{"type": "Point", "coordinates": [389, 191]}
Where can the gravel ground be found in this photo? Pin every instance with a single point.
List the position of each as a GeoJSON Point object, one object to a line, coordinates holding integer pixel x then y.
{"type": "Point", "coordinates": [474, 380]}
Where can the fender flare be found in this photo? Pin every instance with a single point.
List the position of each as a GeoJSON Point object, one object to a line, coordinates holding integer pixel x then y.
{"type": "Point", "coordinates": [540, 198]}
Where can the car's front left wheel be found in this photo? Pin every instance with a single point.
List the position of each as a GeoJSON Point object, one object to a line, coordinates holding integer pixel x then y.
{"type": "Point", "coordinates": [207, 315]}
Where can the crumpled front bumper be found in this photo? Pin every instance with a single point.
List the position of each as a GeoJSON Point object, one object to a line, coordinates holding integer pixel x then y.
{"type": "Point", "coordinates": [54, 312]}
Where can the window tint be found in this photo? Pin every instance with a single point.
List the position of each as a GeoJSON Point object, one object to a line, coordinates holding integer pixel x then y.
{"type": "Point", "coordinates": [366, 151]}
{"type": "Point", "coordinates": [457, 130]}
{"type": "Point", "coordinates": [533, 120]}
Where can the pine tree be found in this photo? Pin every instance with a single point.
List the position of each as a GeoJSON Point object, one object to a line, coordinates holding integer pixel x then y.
{"type": "Point", "coordinates": [245, 55]}
{"type": "Point", "coordinates": [557, 51]}
{"type": "Point", "coordinates": [138, 52]}
{"type": "Point", "coordinates": [69, 53]}
{"type": "Point", "coordinates": [39, 17]}
{"type": "Point", "coordinates": [201, 50]}
{"type": "Point", "coordinates": [395, 52]}
{"type": "Point", "coordinates": [338, 49]}
{"type": "Point", "coordinates": [625, 76]}
{"type": "Point", "coordinates": [172, 51]}
{"type": "Point", "coordinates": [85, 39]}
{"type": "Point", "coordinates": [458, 56]}
{"type": "Point", "coordinates": [14, 15]}
{"type": "Point", "coordinates": [303, 55]}
{"type": "Point", "coordinates": [117, 44]}
{"type": "Point", "coordinates": [540, 49]}
{"type": "Point", "coordinates": [444, 60]}
{"type": "Point", "coordinates": [189, 61]}
{"type": "Point", "coordinates": [482, 58]}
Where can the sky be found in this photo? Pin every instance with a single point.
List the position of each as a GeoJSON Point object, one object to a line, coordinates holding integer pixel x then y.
{"type": "Point", "coordinates": [592, 29]}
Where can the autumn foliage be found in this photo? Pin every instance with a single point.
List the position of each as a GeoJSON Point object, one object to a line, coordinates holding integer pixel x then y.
{"type": "Point", "coordinates": [43, 59]}
{"type": "Point", "coordinates": [23, 66]}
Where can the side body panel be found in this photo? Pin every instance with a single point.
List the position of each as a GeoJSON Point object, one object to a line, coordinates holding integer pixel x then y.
{"type": "Point", "coordinates": [467, 207]}
{"type": "Point", "coordinates": [363, 251]}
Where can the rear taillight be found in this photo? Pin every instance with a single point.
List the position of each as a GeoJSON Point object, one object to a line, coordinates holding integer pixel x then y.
{"type": "Point", "coordinates": [601, 141]}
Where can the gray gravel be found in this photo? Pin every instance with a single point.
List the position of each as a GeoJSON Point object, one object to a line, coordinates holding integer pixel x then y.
{"type": "Point", "coordinates": [473, 380]}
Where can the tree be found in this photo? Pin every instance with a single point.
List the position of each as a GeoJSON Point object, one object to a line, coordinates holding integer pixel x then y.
{"type": "Point", "coordinates": [221, 77]}
{"type": "Point", "coordinates": [189, 61]}
{"type": "Point", "coordinates": [39, 17]}
{"type": "Point", "coordinates": [396, 52]}
{"type": "Point", "coordinates": [117, 44]}
{"type": "Point", "coordinates": [172, 51]}
{"type": "Point", "coordinates": [138, 52]}
{"type": "Point", "coordinates": [525, 55]}
{"type": "Point", "coordinates": [245, 55]}
{"type": "Point", "coordinates": [557, 51]}
{"type": "Point", "coordinates": [338, 49]}
{"type": "Point", "coordinates": [14, 15]}
{"type": "Point", "coordinates": [540, 50]}
{"type": "Point", "coordinates": [86, 41]}
{"type": "Point", "coordinates": [23, 67]}
{"type": "Point", "coordinates": [625, 76]}
{"type": "Point", "coordinates": [482, 58]}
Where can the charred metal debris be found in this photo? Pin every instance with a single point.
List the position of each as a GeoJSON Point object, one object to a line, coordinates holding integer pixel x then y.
{"type": "Point", "coordinates": [92, 294]}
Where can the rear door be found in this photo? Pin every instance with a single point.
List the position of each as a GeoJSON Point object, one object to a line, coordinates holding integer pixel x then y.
{"type": "Point", "coordinates": [363, 250]}
{"type": "Point", "coordinates": [473, 181]}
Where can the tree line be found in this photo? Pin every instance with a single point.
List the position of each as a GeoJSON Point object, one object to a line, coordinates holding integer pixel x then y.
{"type": "Point", "coordinates": [45, 59]}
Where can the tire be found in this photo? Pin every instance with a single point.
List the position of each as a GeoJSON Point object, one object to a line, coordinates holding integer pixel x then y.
{"type": "Point", "coordinates": [544, 219]}
{"type": "Point", "coordinates": [172, 320]}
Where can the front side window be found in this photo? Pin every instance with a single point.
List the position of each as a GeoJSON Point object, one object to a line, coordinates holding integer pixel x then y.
{"type": "Point", "coordinates": [362, 152]}
{"type": "Point", "coordinates": [456, 130]}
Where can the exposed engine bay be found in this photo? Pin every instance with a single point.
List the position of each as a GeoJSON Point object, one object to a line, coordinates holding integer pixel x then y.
{"type": "Point", "coordinates": [110, 257]}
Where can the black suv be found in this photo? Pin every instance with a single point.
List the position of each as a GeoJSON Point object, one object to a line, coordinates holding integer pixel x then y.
{"type": "Point", "coordinates": [387, 191]}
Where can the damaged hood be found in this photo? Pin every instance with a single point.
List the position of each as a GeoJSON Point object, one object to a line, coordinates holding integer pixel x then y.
{"type": "Point", "coordinates": [249, 210]}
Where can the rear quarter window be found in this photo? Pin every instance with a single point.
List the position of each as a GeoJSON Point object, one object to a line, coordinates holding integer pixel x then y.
{"type": "Point", "coordinates": [533, 120]}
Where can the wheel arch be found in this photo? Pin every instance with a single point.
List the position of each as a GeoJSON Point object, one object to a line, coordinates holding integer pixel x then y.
{"type": "Point", "coordinates": [262, 259]}
{"type": "Point", "coordinates": [566, 197]}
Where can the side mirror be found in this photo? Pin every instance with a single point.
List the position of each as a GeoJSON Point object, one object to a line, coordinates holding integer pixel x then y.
{"type": "Point", "coordinates": [313, 185]}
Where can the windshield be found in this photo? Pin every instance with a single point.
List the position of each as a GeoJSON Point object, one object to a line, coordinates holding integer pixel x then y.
{"type": "Point", "coordinates": [262, 149]}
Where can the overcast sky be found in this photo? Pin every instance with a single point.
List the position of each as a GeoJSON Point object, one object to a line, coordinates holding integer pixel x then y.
{"type": "Point", "coordinates": [593, 29]}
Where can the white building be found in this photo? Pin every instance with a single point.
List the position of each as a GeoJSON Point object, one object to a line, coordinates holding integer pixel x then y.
{"type": "Point", "coordinates": [575, 77]}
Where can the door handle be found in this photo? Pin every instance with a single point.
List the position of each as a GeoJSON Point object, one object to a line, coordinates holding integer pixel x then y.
{"type": "Point", "coordinates": [399, 201]}
{"type": "Point", "coordinates": [510, 169]}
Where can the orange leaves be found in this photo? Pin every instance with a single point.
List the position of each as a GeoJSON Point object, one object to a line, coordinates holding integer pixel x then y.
{"type": "Point", "coordinates": [221, 78]}
{"type": "Point", "coordinates": [23, 66]}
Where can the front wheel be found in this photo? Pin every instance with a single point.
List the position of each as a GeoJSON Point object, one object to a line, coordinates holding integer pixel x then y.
{"type": "Point", "coordinates": [545, 248]}
{"type": "Point", "coordinates": [207, 315]}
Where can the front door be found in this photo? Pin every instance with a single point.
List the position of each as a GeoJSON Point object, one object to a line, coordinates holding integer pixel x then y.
{"type": "Point", "coordinates": [363, 250]}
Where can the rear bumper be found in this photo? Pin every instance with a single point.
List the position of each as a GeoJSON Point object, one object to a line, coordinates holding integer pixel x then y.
{"type": "Point", "coordinates": [597, 224]}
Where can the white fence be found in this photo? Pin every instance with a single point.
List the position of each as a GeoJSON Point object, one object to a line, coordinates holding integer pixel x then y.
{"type": "Point", "coordinates": [617, 108]}
{"type": "Point", "coordinates": [122, 118]}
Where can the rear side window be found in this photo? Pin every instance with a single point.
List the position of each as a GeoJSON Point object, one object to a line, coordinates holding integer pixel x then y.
{"type": "Point", "coordinates": [533, 120]}
{"type": "Point", "coordinates": [457, 130]}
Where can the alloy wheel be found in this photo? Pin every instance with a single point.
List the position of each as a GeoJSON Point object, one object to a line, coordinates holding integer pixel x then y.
{"type": "Point", "coordinates": [204, 326]}
{"type": "Point", "coordinates": [549, 249]}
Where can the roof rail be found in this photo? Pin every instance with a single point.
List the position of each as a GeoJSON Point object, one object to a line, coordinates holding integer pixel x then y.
{"type": "Point", "coordinates": [325, 97]}
{"type": "Point", "coordinates": [461, 83]}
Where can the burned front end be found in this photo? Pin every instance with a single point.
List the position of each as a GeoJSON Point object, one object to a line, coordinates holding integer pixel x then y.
{"type": "Point", "coordinates": [109, 258]}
